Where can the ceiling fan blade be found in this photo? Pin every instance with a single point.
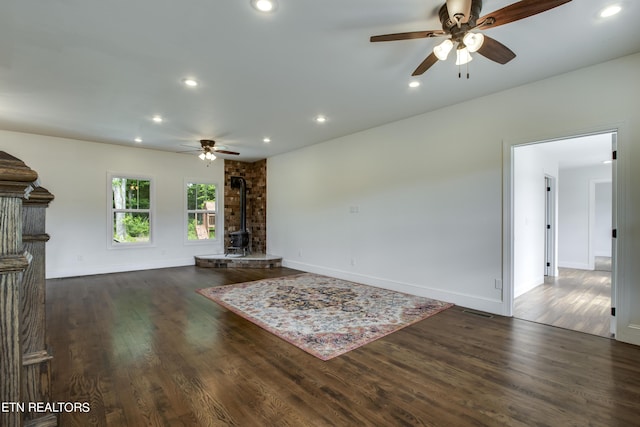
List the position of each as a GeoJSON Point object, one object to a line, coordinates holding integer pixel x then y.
{"type": "Point", "coordinates": [516, 11]}
{"type": "Point", "coordinates": [496, 51]}
{"type": "Point", "coordinates": [188, 149]}
{"type": "Point", "coordinates": [426, 64]}
{"type": "Point", "coordinates": [407, 36]}
{"type": "Point", "coordinates": [226, 152]}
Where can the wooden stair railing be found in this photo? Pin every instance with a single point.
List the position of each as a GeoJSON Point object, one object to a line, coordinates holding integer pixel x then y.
{"type": "Point", "coordinates": [24, 360]}
{"type": "Point", "coordinates": [36, 360]}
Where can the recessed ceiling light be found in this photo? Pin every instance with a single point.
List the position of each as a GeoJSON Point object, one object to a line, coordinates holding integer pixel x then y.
{"type": "Point", "coordinates": [138, 139]}
{"type": "Point", "coordinates": [321, 119]}
{"type": "Point", "coordinates": [610, 11]}
{"type": "Point", "coordinates": [190, 82]}
{"type": "Point", "coordinates": [266, 140]}
{"type": "Point", "coordinates": [157, 119]}
{"type": "Point", "coordinates": [606, 162]}
{"type": "Point", "coordinates": [264, 5]}
{"type": "Point", "coordinates": [414, 83]}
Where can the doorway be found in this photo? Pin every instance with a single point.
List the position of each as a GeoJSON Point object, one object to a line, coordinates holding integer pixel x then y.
{"type": "Point", "coordinates": [559, 188]}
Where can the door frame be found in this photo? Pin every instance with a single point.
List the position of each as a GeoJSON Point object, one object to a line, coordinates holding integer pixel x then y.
{"type": "Point", "coordinates": [617, 222]}
{"type": "Point", "coordinates": [551, 234]}
{"type": "Point", "coordinates": [508, 218]}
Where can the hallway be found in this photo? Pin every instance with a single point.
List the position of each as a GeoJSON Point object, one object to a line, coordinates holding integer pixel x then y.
{"type": "Point", "coordinates": [579, 300]}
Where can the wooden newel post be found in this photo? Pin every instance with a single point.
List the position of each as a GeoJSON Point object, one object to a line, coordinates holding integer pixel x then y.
{"type": "Point", "coordinates": [16, 180]}
{"type": "Point", "coordinates": [36, 360]}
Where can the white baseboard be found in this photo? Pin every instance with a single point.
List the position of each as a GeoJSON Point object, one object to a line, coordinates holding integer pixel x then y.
{"type": "Point", "coordinates": [464, 300]}
{"type": "Point", "coordinates": [629, 334]}
{"type": "Point", "coordinates": [603, 253]}
{"type": "Point", "coordinates": [523, 288]}
{"type": "Point", "coordinates": [575, 265]}
{"type": "Point", "coordinates": [90, 270]}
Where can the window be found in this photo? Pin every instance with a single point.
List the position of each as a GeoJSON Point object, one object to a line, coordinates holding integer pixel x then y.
{"type": "Point", "coordinates": [201, 211]}
{"type": "Point", "coordinates": [131, 210]}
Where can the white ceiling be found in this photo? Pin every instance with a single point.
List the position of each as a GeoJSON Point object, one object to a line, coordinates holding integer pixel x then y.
{"type": "Point", "coordinates": [99, 70]}
{"type": "Point", "coordinates": [587, 150]}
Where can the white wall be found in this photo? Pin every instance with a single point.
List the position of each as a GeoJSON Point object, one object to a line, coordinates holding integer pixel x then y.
{"type": "Point", "coordinates": [426, 193]}
{"type": "Point", "coordinates": [428, 190]}
{"type": "Point", "coordinates": [75, 172]}
{"type": "Point", "coordinates": [531, 165]}
{"type": "Point", "coordinates": [576, 215]}
{"type": "Point", "coordinates": [424, 214]}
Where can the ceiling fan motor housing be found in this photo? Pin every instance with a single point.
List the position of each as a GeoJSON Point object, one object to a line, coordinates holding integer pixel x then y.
{"type": "Point", "coordinates": [207, 143]}
{"type": "Point", "coordinates": [457, 28]}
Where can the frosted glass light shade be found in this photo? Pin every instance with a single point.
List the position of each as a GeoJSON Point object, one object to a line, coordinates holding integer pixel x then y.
{"type": "Point", "coordinates": [442, 50]}
{"type": "Point", "coordinates": [463, 56]}
{"type": "Point", "coordinates": [473, 41]}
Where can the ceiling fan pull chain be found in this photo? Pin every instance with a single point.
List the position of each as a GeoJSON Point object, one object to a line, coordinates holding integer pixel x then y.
{"type": "Point", "coordinates": [467, 71]}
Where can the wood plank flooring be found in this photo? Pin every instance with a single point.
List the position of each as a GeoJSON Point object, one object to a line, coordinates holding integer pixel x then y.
{"type": "Point", "coordinates": [579, 300]}
{"type": "Point", "coordinates": [145, 350]}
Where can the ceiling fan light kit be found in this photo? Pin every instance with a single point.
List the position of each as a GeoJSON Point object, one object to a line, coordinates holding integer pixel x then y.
{"type": "Point", "coordinates": [463, 56]}
{"type": "Point", "coordinates": [442, 50]}
{"type": "Point", "coordinates": [459, 18]}
{"type": "Point", "coordinates": [473, 41]}
{"type": "Point", "coordinates": [209, 149]}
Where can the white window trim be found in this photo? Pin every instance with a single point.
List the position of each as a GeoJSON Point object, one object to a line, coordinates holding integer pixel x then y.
{"type": "Point", "coordinates": [110, 210]}
{"type": "Point", "coordinates": [187, 211]}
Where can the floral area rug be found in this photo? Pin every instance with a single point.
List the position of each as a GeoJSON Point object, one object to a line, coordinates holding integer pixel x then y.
{"type": "Point", "coordinates": [324, 316]}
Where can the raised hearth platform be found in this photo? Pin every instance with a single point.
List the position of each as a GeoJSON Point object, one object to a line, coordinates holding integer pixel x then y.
{"type": "Point", "coordinates": [239, 261]}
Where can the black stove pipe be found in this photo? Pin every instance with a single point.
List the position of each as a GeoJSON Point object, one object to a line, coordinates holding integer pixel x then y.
{"type": "Point", "coordinates": [239, 182]}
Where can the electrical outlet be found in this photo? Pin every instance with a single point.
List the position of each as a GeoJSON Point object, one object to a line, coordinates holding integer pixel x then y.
{"type": "Point", "coordinates": [498, 284]}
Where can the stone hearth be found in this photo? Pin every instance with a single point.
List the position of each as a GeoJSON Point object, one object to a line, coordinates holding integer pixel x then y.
{"type": "Point", "coordinates": [237, 261]}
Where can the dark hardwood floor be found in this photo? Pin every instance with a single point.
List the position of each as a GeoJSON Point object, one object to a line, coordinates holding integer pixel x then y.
{"type": "Point", "coordinates": [145, 350]}
{"type": "Point", "coordinates": [579, 300]}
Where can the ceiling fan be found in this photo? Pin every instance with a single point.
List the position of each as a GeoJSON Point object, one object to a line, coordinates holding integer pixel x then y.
{"type": "Point", "coordinates": [209, 149]}
{"type": "Point", "coordinates": [209, 146]}
{"type": "Point", "coordinates": [460, 20]}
